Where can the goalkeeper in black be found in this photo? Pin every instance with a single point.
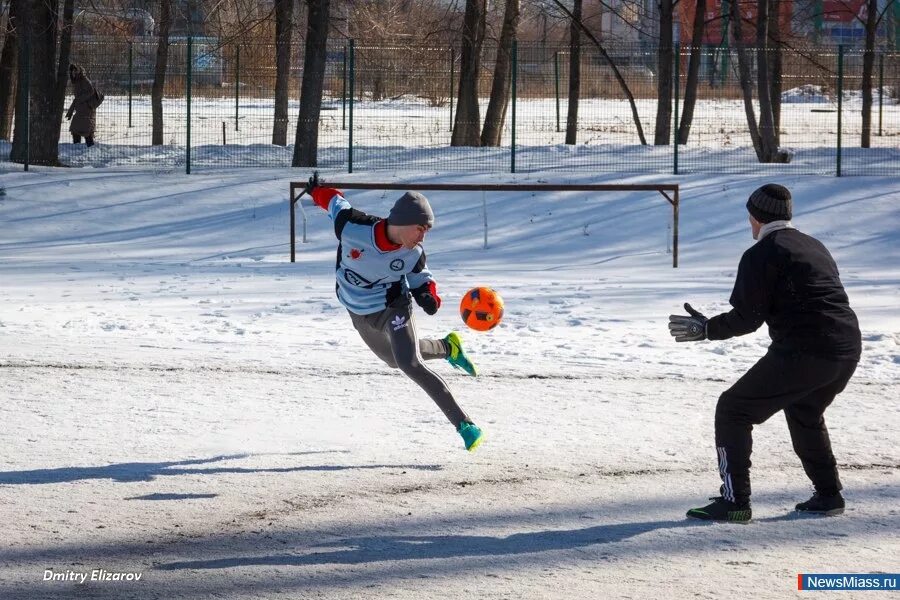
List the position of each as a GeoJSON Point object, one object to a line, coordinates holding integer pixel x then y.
{"type": "Point", "coordinates": [789, 281]}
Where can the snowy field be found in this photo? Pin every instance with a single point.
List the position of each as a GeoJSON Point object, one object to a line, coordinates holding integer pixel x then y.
{"type": "Point", "coordinates": [179, 401]}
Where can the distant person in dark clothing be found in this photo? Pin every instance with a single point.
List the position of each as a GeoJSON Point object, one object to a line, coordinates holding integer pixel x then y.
{"type": "Point", "coordinates": [84, 106]}
{"type": "Point", "coordinates": [789, 281]}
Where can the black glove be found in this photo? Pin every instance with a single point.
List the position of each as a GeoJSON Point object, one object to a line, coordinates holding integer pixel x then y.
{"type": "Point", "coordinates": [68, 116]}
{"type": "Point", "coordinates": [312, 184]}
{"type": "Point", "coordinates": [427, 297]}
{"type": "Point", "coordinates": [688, 329]}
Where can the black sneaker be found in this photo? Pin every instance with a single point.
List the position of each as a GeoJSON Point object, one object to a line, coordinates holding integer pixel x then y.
{"type": "Point", "coordinates": [820, 504]}
{"type": "Point", "coordinates": [722, 510]}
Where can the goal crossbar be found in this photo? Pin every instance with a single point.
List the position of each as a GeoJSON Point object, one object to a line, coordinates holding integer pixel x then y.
{"type": "Point", "coordinates": [664, 189]}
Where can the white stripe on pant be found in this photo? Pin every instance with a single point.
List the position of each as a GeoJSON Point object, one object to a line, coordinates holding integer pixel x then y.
{"type": "Point", "coordinates": [727, 489]}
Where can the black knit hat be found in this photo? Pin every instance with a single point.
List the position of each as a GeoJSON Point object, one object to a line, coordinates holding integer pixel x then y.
{"type": "Point", "coordinates": [771, 202]}
{"type": "Point", "coordinates": [411, 208]}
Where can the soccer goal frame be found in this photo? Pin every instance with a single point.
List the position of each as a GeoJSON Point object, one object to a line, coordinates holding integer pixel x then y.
{"type": "Point", "coordinates": [665, 189]}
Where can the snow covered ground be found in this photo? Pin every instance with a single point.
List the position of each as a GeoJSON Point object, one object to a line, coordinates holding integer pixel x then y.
{"type": "Point", "coordinates": [180, 401]}
{"type": "Point", "coordinates": [411, 134]}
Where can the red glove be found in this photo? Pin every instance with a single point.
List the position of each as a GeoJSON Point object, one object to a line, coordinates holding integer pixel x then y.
{"type": "Point", "coordinates": [323, 195]}
{"type": "Point", "coordinates": [427, 297]}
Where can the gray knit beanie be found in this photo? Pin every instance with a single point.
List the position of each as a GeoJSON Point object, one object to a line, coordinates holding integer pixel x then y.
{"type": "Point", "coordinates": [771, 202]}
{"type": "Point", "coordinates": [411, 208]}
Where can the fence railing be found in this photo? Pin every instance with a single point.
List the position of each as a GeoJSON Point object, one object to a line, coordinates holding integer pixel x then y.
{"type": "Point", "coordinates": [392, 107]}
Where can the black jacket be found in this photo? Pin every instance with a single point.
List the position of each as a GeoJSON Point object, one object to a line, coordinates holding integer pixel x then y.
{"type": "Point", "coordinates": [790, 281]}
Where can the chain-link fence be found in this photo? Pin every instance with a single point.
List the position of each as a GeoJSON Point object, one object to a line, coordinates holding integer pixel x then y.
{"type": "Point", "coordinates": [393, 107]}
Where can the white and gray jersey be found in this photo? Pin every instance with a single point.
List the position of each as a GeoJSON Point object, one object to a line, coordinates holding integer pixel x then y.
{"type": "Point", "coordinates": [370, 272]}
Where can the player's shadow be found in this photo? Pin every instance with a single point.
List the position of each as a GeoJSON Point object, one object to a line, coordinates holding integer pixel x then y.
{"type": "Point", "coordinates": [360, 550]}
{"type": "Point", "coordinates": [158, 496]}
{"type": "Point", "coordinates": [148, 471]}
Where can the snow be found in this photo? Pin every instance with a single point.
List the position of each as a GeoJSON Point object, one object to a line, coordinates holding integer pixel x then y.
{"type": "Point", "coordinates": [179, 400]}
{"type": "Point", "coordinates": [414, 134]}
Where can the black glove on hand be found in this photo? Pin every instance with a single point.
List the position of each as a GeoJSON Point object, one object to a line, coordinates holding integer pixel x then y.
{"type": "Point", "coordinates": [688, 329]}
{"type": "Point", "coordinates": [426, 296]}
{"type": "Point", "coordinates": [312, 184]}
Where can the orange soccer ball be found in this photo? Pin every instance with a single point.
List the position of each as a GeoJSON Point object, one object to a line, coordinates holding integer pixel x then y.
{"type": "Point", "coordinates": [481, 308]}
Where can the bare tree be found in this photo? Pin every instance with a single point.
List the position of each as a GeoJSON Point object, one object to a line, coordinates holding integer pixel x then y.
{"type": "Point", "coordinates": [496, 110]}
{"type": "Point", "coordinates": [871, 23]}
{"type": "Point", "coordinates": [574, 74]}
{"type": "Point", "coordinates": [47, 35]}
{"type": "Point", "coordinates": [284, 10]}
{"type": "Point", "coordinates": [159, 72]}
{"type": "Point", "coordinates": [762, 134]}
{"type": "Point", "coordinates": [9, 58]}
{"type": "Point", "coordinates": [744, 78]}
{"type": "Point", "coordinates": [768, 144]}
{"type": "Point", "coordinates": [776, 66]}
{"type": "Point", "coordinates": [618, 74]}
{"type": "Point", "coordinates": [664, 62]}
{"type": "Point", "coordinates": [468, 116]}
{"type": "Point", "coordinates": [306, 141]}
{"type": "Point", "coordinates": [693, 72]}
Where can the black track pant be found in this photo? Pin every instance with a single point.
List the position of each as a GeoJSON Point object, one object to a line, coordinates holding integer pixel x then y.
{"type": "Point", "coordinates": [801, 386]}
{"type": "Point", "coordinates": [391, 335]}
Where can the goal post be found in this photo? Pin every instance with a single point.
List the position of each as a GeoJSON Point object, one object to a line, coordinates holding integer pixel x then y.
{"type": "Point", "coordinates": [669, 191]}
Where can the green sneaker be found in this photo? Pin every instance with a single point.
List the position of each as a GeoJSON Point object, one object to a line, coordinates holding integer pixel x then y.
{"type": "Point", "coordinates": [722, 510]}
{"type": "Point", "coordinates": [457, 356]}
{"type": "Point", "coordinates": [471, 435]}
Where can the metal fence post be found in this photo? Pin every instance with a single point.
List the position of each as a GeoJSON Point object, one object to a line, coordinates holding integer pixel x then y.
{"type": "Point", "coordinates": [515, 68]}
{"type": "Point", "coordinates": [293, 212]}
{"type": "Point", "coordinates": [556, 83]}
{"type": "Point", "coordinates": [187, 148]}
{"type": "Point", "coordinates": [675, 123]}
{"type": "Point", "coordinates": [484, 216]}
{"type": "Point", "coordinates": [237, 85]}
{"type": "Point", "coordinates": [880, 93]}
{"type": "Point", "coordinates": [725, 48]}
{"type": "Point", "coordinates": [675, 206]}
{"type": "Point", "coordinates": [818, 20]}
{"type": "Point", "coordinates": [452, 79]}
{"type": "Point", "coordinates": [840, 104]}
{"type": "Point", "coordinates": [26, 97]}
{"type": "Point", "coordinates": [344, 92]}
{"type": "Point", "coordinates": [130, 78]}
{"type": "Point", "coordinates": [352, 86]}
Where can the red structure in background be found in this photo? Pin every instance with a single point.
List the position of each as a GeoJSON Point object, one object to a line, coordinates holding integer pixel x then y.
{"type": "Point", "coordinates": [844, 11]}
{"type": "Point", "coordinates": [715, 20]}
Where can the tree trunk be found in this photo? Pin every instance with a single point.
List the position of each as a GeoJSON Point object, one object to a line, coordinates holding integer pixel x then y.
{"type": "Point", "coordinates": [763, 85]}
{"type": "Point", "coordinates": [62, 68]}
{"type": "Point", "coordinates": [20, 122]}
{"type": "Point", "coordinates": [868, 68]}
{"type": "Point", "coordinates": [49, 47]}
{"type": "Point", "coordinates": [8, 72]}
{"type": "Point", "coordinates": [284, 12]}
{"type": "Point", "coordinates": [306, 141]}
{"type": "Point", "coordinates": [664, 75]}
{"type": "Point", "coordinates": [159, 73]}
{"type": "Point", "coordinates": [776, 54]}
{"type": "Point", "coordinates": [43, 83]}
{"type": "Point", "coordinates": [693, 72]}
{"type": "Point", "coordinates": [468, 117]}
{"type": "Point", "coordinates": [574, 74]}
{"type": "Point", "coordinates": [496, 110]}
{"type": "Point", "coordinates": [745, 78]}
